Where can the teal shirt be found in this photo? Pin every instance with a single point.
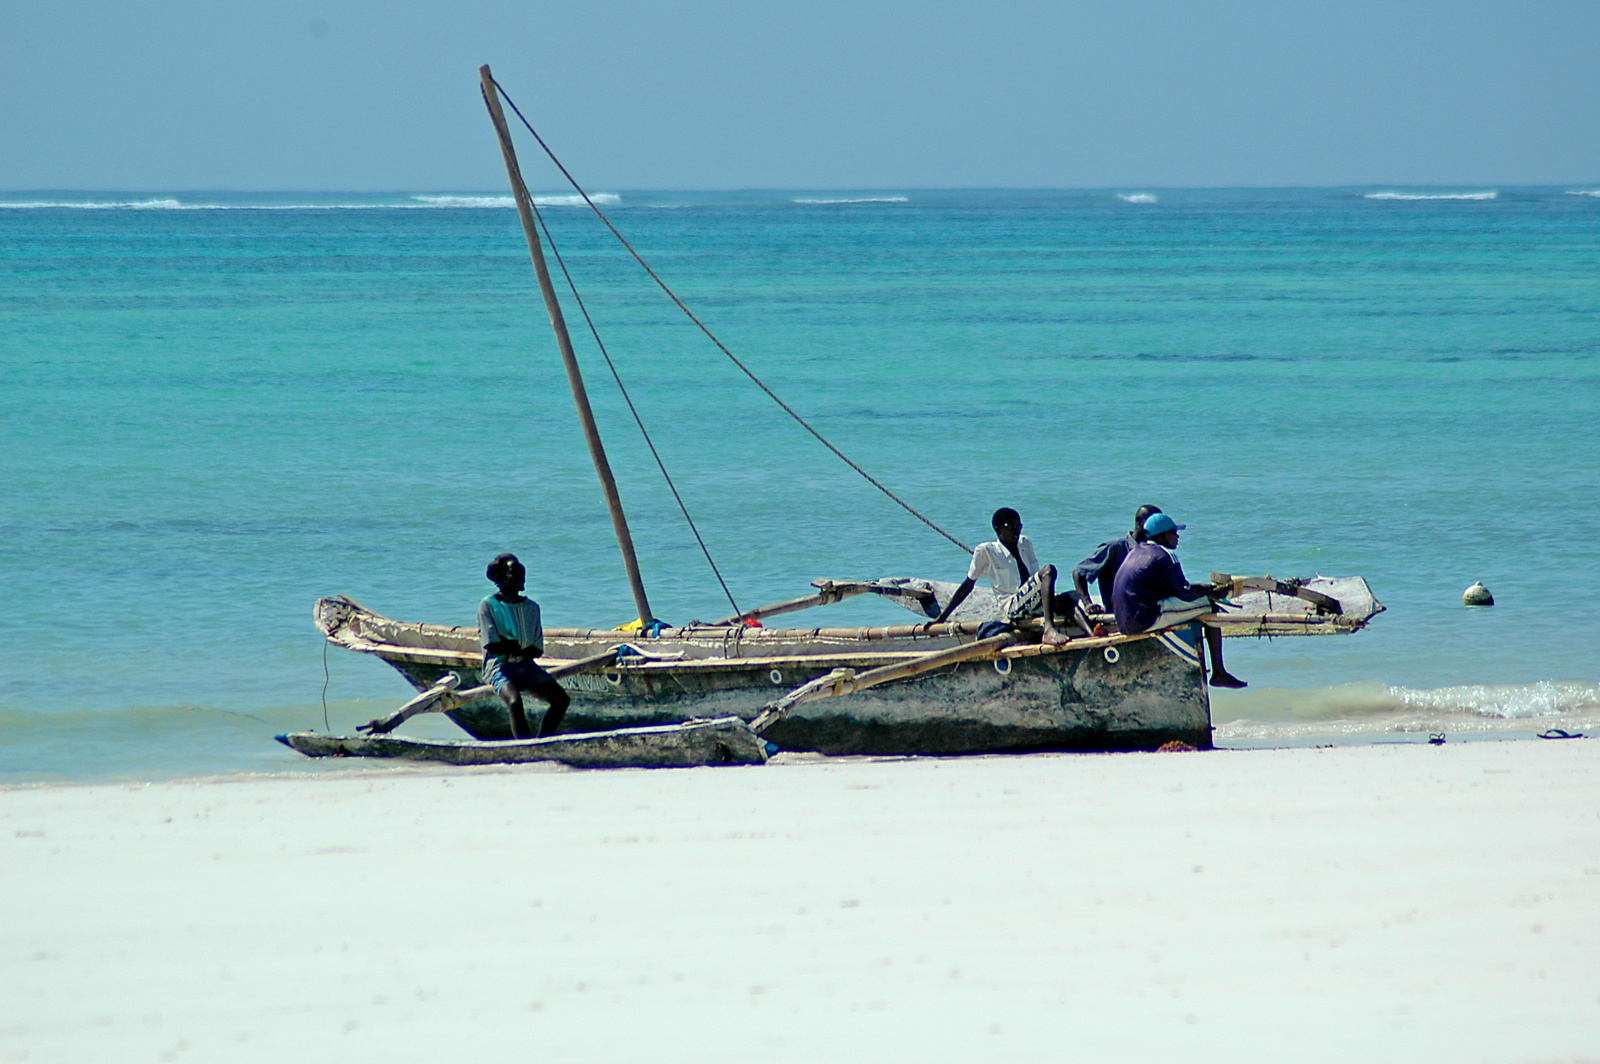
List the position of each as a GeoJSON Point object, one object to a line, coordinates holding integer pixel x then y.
{"type": "Point", "coordinates": [514, 621]}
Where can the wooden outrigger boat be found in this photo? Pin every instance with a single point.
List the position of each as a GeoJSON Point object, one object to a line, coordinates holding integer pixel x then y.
{"type": "Point", "coordinates": [952, 688]}
{"type": "Point", "coordinates": [911, 689]}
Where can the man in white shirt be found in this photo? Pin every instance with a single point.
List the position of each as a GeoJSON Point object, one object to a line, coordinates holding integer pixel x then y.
{"type": "Point", "coordinates": [1025, 588]}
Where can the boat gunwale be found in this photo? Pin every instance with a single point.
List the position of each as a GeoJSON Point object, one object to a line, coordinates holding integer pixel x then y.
{"type": "Point", "coordinates": [343, 609]}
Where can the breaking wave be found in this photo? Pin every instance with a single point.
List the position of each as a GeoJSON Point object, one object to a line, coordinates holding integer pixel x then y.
{"type": "Point", "coordinates": [1503, 701]}
{"type": "Point", "coordinates": [1372, 709]}
{"type": "Point", "coordinates": [854, 199]}
{"type": "Point", "coordinates": [604, 199]}
{"type": "Point", "coordinates": [468, 201]}
{"type": "Point", "coordinates": [1583, 191]}
{"type": "Point", "coordinates": [1432, 195]}
{"type": "Point", "coordinates": [1136, 197]}
{"type": "Point", "coordinates": [607, 199]}
{"type": "Point", "coordinates": [112, 205]}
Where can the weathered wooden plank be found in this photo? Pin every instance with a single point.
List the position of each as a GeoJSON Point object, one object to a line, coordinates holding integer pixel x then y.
{"type": "Point", "coordinates": [829, 592]}
{"type": "Point", "coordinates": [443, 696]}
{"type": "Point", "coordinates": [725, 741]}
{"type": "Point", "coordinates": [1324, 622]}
{"type": "Point", "coordinates": [842, 682]}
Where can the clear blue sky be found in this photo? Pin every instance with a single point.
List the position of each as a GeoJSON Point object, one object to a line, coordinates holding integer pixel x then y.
{"type": "Point", "coordinates": [636, 94]}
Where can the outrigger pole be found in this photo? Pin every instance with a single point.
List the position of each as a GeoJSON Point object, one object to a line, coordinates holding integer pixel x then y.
{"type": "Point", "coordinates": [580, 398]}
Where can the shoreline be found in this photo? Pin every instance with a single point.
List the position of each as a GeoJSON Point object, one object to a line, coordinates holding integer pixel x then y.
{"type": "Point", "coordinates": [1393, 901]}
{"type": "Point", "coordinates": [190, 741]}
{"type": "Point", "coordinates": [293, 766]}
{"type": "Point", "coordinates": [301, 767]}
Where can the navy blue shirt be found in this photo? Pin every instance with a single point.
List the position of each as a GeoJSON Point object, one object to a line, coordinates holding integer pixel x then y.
{"type": "Point", "coordinates": [1106, 559]}
{"type": "Point", "coordinates": [1149, 574]}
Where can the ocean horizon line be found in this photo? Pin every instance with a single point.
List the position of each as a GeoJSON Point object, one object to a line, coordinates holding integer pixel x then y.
{"type": "Point", "coordinates": [448, 190]}
{"type": "Point", "coordinates": [1129, 196]}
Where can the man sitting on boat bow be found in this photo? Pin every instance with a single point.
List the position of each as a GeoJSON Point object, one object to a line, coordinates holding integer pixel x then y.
{"type": "Point", "coordinates": [511, 635]}
{"type": "Point", "coordinates": [1151, 593]}
{"type": "Point", "coordinates": [1025, 588]}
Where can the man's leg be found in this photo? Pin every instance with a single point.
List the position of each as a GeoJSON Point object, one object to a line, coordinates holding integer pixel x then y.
{"type": "Point", "coordinates": [1036, 598]}
{"type": "Point", "coordinates": [1047, 598]}
{"type": "Point", "coordinates": [1076, 609]}
{"type": "Point", "coordinates": [553, 693]}
{"type": "Point", "coordinates": [519, 720]}
{"type": "Point", "coordinates": [1220, 677]}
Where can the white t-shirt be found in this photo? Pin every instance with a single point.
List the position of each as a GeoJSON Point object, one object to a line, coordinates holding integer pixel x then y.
{"type": "Point", "coordinates": [993, 561]}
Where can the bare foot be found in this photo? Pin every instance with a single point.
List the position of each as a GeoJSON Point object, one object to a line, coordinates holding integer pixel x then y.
{"type": "Point", "coordinates": [1226, 679]}
{"type": "Point", "coordinates": [1054, 637]}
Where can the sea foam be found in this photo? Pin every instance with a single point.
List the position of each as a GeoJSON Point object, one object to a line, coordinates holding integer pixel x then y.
{"type": "Point", "coordinates": [811, 202]}
{"type": "Point", "coordinates": [1432, 195]}
{"type": "Point", "coordinates": [1136, 197]}
{"type": "Point", "coordinates": [1374, 709]}
{"type": "Point", "coordinates": [604, 199]}
{"type": "Point", "coordinates": [117, 205]}
{"type": "Point", "coordinates": [467, 201]}
{"type": "Point", "coordinates": [1503, 701]}
{"type": "Point", "coordinates": [1583, 191]}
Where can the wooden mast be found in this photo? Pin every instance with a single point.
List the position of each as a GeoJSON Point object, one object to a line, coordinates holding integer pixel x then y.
{"type": "Point", "coordinates": [580, 398]}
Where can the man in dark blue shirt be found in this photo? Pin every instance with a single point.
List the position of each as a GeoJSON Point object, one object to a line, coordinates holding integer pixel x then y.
{"type": "Point", "coordinates": [1151, 593]}
{"type": "Point", "coordinates": [1107, 558]}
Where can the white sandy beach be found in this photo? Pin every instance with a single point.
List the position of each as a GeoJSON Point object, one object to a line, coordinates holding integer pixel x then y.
{"type": "Point", "coordinates": [1364, 903]}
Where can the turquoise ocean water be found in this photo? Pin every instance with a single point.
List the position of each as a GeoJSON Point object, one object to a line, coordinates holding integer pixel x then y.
{"type": "Point", "coordinates": [219, 407]}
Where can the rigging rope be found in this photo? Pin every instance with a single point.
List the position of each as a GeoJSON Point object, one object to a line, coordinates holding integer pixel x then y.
{"type": "Point", "coordinates": [325, 725]}
{"type": "Point", "coordinates": [629, 400]}
{"type": "Point", "coordinates": [712, 336]}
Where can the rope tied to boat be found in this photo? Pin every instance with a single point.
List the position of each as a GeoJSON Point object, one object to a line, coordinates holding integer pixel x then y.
{"type": "Point", "coordinates": [626, 398]}
{"type": "Point", "coordinates": [802, 422]}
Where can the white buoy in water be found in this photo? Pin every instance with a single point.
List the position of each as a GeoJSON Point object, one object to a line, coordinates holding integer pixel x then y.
{"type": "Point", "coordinates": [1477, 595]}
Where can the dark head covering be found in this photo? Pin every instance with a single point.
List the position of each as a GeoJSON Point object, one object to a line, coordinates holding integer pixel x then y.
{"type": "Point", "coordinates": [500, 566]}
{"type": "Point", "coordinates": [1004, 515]}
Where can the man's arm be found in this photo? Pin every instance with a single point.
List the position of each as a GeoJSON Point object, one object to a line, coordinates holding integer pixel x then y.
{"type": "Point", "coordinates": [1089, 605]}
{"type": "Point", "coordinates": [1096, 566]}
{"type": "Point", "coordinates": [955, 600]}
{"type": "Point", "coordinates": [1108, 584]}
{"type": "Point", "coordinates": [491, 638]}
{"type": "Point", "coordinates": [1181, 586]}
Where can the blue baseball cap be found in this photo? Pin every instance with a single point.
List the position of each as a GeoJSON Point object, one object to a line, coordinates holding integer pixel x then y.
{"type": "Point", "coordinates": [1156, 524]}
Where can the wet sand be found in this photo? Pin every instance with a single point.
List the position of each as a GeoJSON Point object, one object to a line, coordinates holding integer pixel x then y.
{"type": "Point", "coordinates": [1376, 903]}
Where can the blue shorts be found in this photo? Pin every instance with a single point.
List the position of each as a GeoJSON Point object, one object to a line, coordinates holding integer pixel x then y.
{"type": "Point", "coordinates": [501, 673]}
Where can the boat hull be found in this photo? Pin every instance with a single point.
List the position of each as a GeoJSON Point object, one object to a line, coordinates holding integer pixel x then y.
{"type": "Point", "coordinates": [1139, 693]}
{"type": "Point", "coordinates": [1153, 692]}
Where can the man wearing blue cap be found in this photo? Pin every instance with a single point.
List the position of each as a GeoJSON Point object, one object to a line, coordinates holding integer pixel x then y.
{"type": "Point", "coordinates": [1102, 565]}
{"type": "Point", "coordinates": [1151, 593]}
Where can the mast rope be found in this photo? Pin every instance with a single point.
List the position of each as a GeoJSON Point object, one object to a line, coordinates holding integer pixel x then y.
{"type": "Point", "coordinates": [594, 332]}
{"type": "Point", "coordinates": [907, 507]}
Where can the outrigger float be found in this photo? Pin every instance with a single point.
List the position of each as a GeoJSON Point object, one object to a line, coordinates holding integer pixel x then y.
{"type": "Point", "coordinates": [735, 691]}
